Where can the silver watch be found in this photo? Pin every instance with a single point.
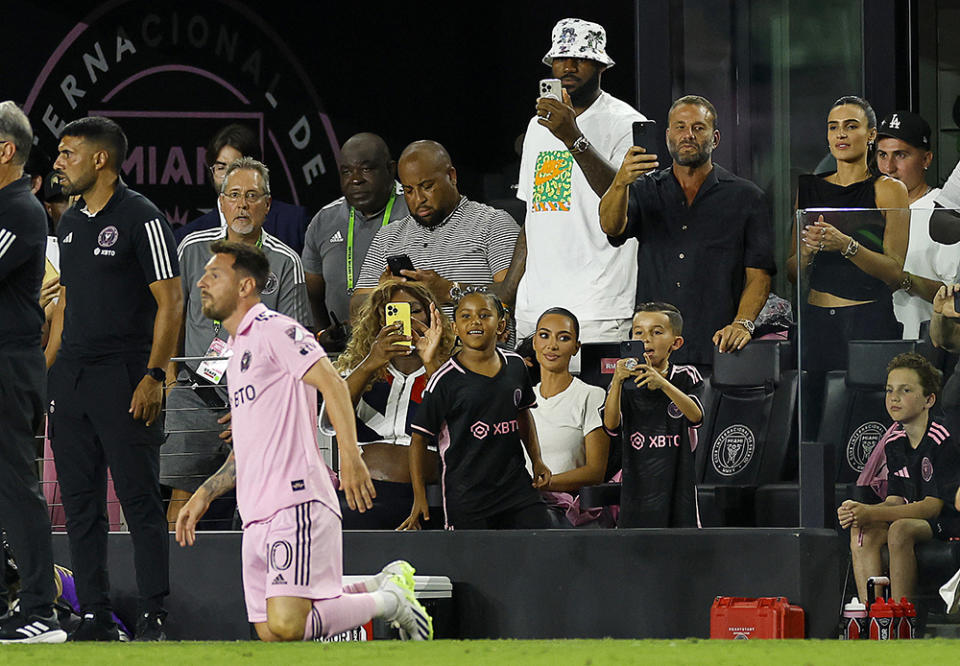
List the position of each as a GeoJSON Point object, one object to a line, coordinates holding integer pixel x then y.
{"type": "Point", "coordinates": [456, 293]}
{"type": "Point", "coordinates": [747, 324]}
{"type": "Point", "coordinates": [580, 145]}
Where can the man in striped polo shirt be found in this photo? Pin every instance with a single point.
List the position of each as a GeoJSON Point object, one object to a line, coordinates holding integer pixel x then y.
{"type": "Point", "coordinates": [452, 241]}
{"type": "Point", "coordinates": [196, 444]}
{"type": "Point", "coordinates": [114, 330]}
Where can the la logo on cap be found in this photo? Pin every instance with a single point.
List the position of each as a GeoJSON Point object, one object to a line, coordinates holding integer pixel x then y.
{"type": "Point", "coordinates": [894, 122]}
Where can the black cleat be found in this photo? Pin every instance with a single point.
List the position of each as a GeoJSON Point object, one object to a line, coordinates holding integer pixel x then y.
{"type": "Point", "coordinates": [96, 626]}
{"type": "Point", "coordinates": [150, 626]}
{"type": "Point", "coordinates": [33, 629]}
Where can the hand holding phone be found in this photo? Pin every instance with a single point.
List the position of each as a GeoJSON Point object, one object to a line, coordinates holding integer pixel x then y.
{"type": "Point", "coordinates": [633, 351]}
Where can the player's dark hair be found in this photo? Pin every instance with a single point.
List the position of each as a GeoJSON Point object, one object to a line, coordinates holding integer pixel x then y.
{"type": "Point", "coordinates": [493, 299]}
{"type": "Point", "coordinates": [697, 100]}
{"type": "Point", "coordinates": [931, 379]}
{"type": "Point", "coordinates": [871, 117]}
{"type": "Point", "coordinates": [248, 260]}
{"type": "Point", "coordinates": [673, 314]}
{"type": "Point", "coordinates": [237, 136]}
{"type": "Point", "coordinates": [564, 313]}
{"type": "Point", "coordinates": [102, 131]}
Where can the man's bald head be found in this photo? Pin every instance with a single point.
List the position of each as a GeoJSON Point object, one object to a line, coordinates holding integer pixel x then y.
{"type": "Point", "coordinates": [366, 172]}
{"type": "Point", "coordinates": [429, 182]}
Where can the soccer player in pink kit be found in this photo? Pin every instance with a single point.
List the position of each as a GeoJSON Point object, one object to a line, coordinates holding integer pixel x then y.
{"type": "Point", "coordinates": [292, 556]}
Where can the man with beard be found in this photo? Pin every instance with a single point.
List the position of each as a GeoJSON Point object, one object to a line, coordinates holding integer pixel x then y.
{"type": "Point", "coordinates": [453, 242]}
{"type": "Point", "coordinates": [339, 235]}
{"type": "Point", "coordinates": [114, 330]}
{"type": "Point", "coordinates": [569, 155]}
{"type": "Point", "coordinates": [705, 235]}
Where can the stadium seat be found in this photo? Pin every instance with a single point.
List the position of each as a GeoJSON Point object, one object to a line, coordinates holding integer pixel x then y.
{"type": "Point", "coordinates": [852, 421]}
{"type": "Point", "coordinates": [749, 423]}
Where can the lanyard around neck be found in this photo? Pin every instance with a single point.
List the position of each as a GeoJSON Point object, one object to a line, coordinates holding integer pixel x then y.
{"type": "Point", "coordinates": [386, 219]}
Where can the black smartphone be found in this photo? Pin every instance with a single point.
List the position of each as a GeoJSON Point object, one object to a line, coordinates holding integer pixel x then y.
{"type": "Point", "coordinates": [633, 349]}
{"type": "Point", "coordinates": [399, 262]}
{"type": "Point", "coordinates": [643, 131]}
{"type": "Point", "coordinates": [956, 301]}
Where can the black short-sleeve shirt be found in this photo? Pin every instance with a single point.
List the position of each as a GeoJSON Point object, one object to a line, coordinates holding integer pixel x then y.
{"type": "Point", "coordinates": [107, 263]}
{"type": "Point", "coordinates": [930, 470]}
{"type": "Point", "coordinates": [23, 241]}
{"type": "Point", "coordinates": [474, 419]}
{"type": "Point", "coordinates": [658, 459]}
{"type": "Point", "coordinates": [694, 256]}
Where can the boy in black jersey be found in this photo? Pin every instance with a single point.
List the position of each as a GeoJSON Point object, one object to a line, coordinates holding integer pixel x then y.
{"type": "Point", "coordinates": [476, 406]}
{"type": "Point", "coordinates": [922, 466]}
{"type": "Point", "coordinates": [658, 414]}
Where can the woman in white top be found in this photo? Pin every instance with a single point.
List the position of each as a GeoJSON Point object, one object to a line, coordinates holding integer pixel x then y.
{"type": "Point", "coordinates": [572, 440]}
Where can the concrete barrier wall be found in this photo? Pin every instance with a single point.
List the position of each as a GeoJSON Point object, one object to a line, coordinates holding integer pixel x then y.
{"type": "Point", "coordinates": [521, 584]}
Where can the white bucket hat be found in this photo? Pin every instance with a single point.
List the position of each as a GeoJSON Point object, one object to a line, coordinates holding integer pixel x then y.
{"type": "Point", "coordinates": [576, 38]}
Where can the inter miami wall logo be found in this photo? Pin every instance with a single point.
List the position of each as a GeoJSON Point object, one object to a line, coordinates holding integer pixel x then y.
{"type": "Point", "coordinates": [172, 74]}
{"type": "Point", "coordinates": [733, 450]}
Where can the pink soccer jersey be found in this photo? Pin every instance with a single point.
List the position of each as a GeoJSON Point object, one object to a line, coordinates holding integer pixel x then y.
{"type": "Point", "coordinates": [274, 416]}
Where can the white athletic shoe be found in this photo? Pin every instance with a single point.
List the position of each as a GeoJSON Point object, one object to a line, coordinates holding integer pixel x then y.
{"type": "Point", "coordinates": [410, 617]}
{"type": "Point", "coordinates": [400, 568]}
{"type": "Point", "coordinates": [32, 630]}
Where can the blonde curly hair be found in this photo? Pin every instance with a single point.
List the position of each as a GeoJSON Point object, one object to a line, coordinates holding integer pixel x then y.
{"type": "Point", "coordinates": [370, 320]}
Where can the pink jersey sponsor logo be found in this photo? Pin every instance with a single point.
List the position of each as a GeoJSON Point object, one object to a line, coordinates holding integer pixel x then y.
{"type": "Point", "coordinates": [480, 429]}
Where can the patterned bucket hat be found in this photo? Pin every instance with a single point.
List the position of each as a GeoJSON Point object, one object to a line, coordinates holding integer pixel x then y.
{"type": "Point", "coordinates": [576, 38]}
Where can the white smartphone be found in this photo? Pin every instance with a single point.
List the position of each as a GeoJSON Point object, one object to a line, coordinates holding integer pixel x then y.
{"type": "Point", "coordinates": [551, 88]}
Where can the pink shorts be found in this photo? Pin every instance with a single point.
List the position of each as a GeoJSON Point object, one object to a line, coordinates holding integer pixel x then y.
{"type": "Point", "coordinates": [296, 552]}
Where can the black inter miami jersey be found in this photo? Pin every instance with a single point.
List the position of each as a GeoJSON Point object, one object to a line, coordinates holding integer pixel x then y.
{"type": "Point", "coordinates": [658, 461]}
{"type": "Point", "coordinates": [930, 470]}
{"type": "Point", "coordinates": [108, 262]}
{"type": "Point", "coordinates": [474, 420]}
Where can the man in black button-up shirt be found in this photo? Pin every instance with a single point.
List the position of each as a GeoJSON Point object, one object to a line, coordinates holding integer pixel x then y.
{"type": "Point", "coordinates": [705, 235]}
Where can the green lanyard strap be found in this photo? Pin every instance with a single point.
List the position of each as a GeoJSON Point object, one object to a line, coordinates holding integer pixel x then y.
{"type": "Point", "coordinates": [386, 219]}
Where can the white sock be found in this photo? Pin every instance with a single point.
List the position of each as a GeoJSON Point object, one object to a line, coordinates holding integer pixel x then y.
{"type": "Point", "coordinates": [387, 603]}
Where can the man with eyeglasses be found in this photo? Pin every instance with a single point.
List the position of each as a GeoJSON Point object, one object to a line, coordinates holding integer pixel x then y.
{"type": "Point", "coordinates": [284, 221]}
{"type": "Point", "coordinates": [197, 420]}
{"type": "Point", "coordinates": [114, 329]}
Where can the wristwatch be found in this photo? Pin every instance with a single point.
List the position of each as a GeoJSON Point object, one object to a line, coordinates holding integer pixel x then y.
{"type": "Point", "coordinates": [747, 324]}
{"type": "Point", "coordinates": [456, 293]}
{"type": "Point", "coordinates": [157, 373]}
{"type": "Point", "coordinates": [580, 145]}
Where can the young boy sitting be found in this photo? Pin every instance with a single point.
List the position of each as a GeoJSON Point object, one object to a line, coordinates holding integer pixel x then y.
{"type": "Point", "coordinates": [657, 413]}
{"type": "Point", "coordinates": [922, 463]}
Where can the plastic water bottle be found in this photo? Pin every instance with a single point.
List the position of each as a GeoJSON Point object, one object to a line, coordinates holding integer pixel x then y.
{"type": "Point", "coordinates": [881, 621]}
{"type": "Point", "coordinates": [854, 624]}
{"type": "Point", "coordinates": [908, 623]}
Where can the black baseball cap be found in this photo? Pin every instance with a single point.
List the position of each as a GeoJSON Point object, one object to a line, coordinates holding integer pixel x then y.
{"type": "Point", "coordinates": [906, 126]}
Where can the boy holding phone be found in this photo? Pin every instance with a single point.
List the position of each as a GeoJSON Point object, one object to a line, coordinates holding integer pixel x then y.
{"type": "Point", "coordinates": [656, 423]}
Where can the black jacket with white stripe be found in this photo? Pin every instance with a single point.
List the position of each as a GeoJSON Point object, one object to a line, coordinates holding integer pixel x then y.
{"type": "Point", "coordinates": [23, 240]}
{"type": "Point", "coordinates": [108, 261]}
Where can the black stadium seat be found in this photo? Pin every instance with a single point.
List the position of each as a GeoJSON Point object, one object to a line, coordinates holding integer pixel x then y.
{"type": "Point", "coordinates": [749, 425]}
{"type": "Point", "coordinates": [853, 419]}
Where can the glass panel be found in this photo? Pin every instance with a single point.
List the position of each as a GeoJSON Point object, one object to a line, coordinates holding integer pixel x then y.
{"type": "Point", "coordinates": [858, 310]}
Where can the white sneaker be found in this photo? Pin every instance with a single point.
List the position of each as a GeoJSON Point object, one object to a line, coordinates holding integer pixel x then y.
{"type": "Point", "coordinates": [400, 568]}
{"type": "Point", "coordinates": [410, 616]}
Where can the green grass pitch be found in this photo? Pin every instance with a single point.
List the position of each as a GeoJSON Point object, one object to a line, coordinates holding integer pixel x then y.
{"type": "Point", "coordinates": [551, 652]}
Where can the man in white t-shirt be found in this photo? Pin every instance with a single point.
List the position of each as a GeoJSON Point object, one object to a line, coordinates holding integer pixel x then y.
{"type": "Point", "coordinates": [903, 152]}
{"type": "Point", "coordinates": [570, 153]}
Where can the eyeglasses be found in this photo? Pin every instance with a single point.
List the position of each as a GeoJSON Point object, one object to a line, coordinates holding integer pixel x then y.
{"type": "Point", "coordinates": [251, 197]}
{"type": "Point", "coordinates": [218, 167]}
